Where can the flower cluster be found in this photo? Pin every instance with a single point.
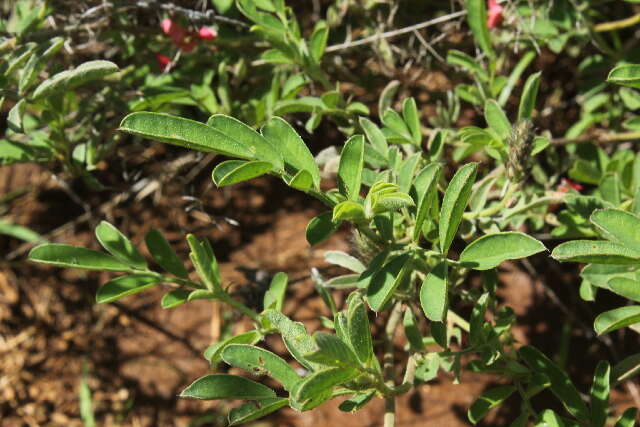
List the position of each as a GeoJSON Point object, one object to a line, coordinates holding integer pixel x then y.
{"type": "Point", "coordinates": [185, 40]}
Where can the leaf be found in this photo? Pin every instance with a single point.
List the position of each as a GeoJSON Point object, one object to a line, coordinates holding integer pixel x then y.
{"type": "Point", "coordinates": [213, 353]}
{"type": "Point", "coordinates": [625, 287]}
{"type": "Point", "coordinates": [357, 402]}
{"type": "Point", "coordinates": [174, 298]}
{"type": "Point", "coordinates": [616, 319]}
{"type": "Point", "coordinates": [295, 337]}
{"type": "Point", "coordinates": [223, 386]}
{"type": "Point", "coordinates": [454, 203]}
{"type": "Point", "coordinates": [233, 171]}
{"type": "Point", "coordinates": [488, 399]}
{"type": "Point", "coordinates": [625, 75]}
{"type": "Point", "coordinates": [76, 257]}
{"type": "Point", "coordinates": [497, 119]}
{"type": "Point", "coordinates": [523, 63]}
{"type": "Point", "coordinates": [250, 411]}
{"type": "Point", "coordinates": [348, 211]}
{"type": "Point", "coordinates": [561, 385]}
{"type": "Point", "coordinates": [358, 329]}
{"type": "Point", "coordinates": [618, 226]}
{"type": "Point", "coordinates": [628, 418]}
{"type": "Point", "coordinates": [344, 260]}
{"type": "Point", "coordinates": [412, 332]}
{"type": "Point", "coordinates": [320, 228]}
{"type": "Point", "coordinates": [477, 19]}
{"type": "Point", "coordinates": [14, 118]}
{"type": "Point", "coordinates": [550, 419]}
{"type": "Point", "coordinates": [412, 119]}
{"type": "Point", "coordinates": [274, 297]}
{"type": "Point", "coordinates": [184, 133]}
{"type": "Point", "coordinates": [302, 181]}
{"type": "Point", "coordinates": [386, 281]}
{"type": "Point", "coordinates": [491, 250]}
{"type": "Point", "coordinates": [434, 293]}
{"type": "Point", "coordinates": [600, 394]}
{"type": "Point", "coordinates": [626, 369]}
{"type": "Point", "coordinates": [164, 255]}
{"type": "Point", "coordinates": [259, 361]}
{"type": "Point", "coordinates": [67, 80]}
{"type": "Point", "coordinates": [294, 151]}
{"type": "Point", "coordinates": [528, 97]}
{"type": "Point", "coordinates": [319, 382]}
{"type": "Point", "coordinates": [375, 136]}
{"type": "Point", "coordinates": [318, 40]}
{"type": "Point", "coordinates": [595, 251]}
{"type": "Point", "coordinates": [426, 185]}
{"type": "Point", "coordinates": [350, 167]}
{"type": "Point", "coordinates": [19, 232]}
{"type": "Point", "coordinates": [123, 286]}
{"type": "Point", "coordinates": [119, 246]}
{"type": "Point", "coordinates": [332, 351]}
{"type": "Point", "coordinates": [386, 96]}
{"type": "Point", "coordinates": [205, 262]}
{"type": "Point", "coordinates": [396, 129]}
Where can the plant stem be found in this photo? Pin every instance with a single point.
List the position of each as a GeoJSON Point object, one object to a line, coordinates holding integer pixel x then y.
{"type": "Point", "coordinates": [492, 210]}
{"type": "Point", "coordinates": [617, 25]}
{"type": "Point", "coordinates": [390, 332]}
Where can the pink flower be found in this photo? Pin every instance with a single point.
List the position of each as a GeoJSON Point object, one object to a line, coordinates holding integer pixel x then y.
{"type": "Point", "coordinates": [207, 33]}
{"type": "Point", "coordinates": [566, 184]}
{"type": "Point", "coordinates": [495, 14]}
{"type": "Point", "coordinates": [163, 61]}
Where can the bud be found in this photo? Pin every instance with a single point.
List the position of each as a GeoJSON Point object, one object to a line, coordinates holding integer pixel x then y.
{"type": "Point", "coordinates": [520, 146]}
{"type": "Point", "coordinates": [495, 14]}
{"type": "Point", "coordinates": [163, 61]}
{"type": "Point", "coordinates": [207, 33]}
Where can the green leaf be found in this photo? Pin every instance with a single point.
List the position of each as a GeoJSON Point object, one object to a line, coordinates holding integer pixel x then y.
{"type": "Point", "coordinates": [412, 332]}
{"type": "Point", "coordinates": [628, 418]}
{"type": "Point", "coordinates": [318, 383]}
{"type": "Point", "coordinates": [350, 167]}
{"type": "Point", "coordinates": [426, 185]}
{"type": "Point", "coordinates": [233, 171]}
{"type": "Point", "coordinates": [19, 232]}
{"type": "Point", "coordinates": [294, 151]}
{"type": "Point", "coordinates": [600, 394]}
{"type": "Point", "coordinates": [488, 399]}
{"type": "Point", "coordinates": [14, 118]}
{"type": "Point", "coordinates": [412, 119]}
{"type": "Point", "coordinates": [616, 319]}
{"type": "Point", "coordinates": [213, 353]}
{"type": "Point", "coordinates": [205, 262]}
{"type": "Point", "coordinates": [175, 298]}
{"type": "Point", "coordinates": [375, 136]}
{"type": "Point", "coordinates": [67, 80]}
{"type": "Point", "coordinates": [386, 96]}
{"type": "Point", "coordinates": [477, 19]}
{"type": "Point", "coordinates": [626, 369]}
{"type": "Point", "coordinates": [332, 351]}
{"type": "Point", "coordinates": [396, 129]}
{"type": "Point", "coordinates": [348, 211]}
{"type": "Point", "coordinates": [561, 385]}
{"type": "Point", "coordinates": [259, 361]}
{"type": "Point", "coordinates": [357, 402]}
{"type": "Point", "coordinates": [386, 281]}
{"type": "Point", "coordinates": [223, 386]}
{"type": "Point", "coordinates": [302, 181]}
{"type": "Point", "coordinates": [274, 297]}
{"type": "Point", "coordinates": [318, 40]}
{"type": "Point", "coordinates": [344, 260]}
{"type": "Point", "coordinates": [491, 250]}
{"type": "Point", "coordinates": [320, 228]}
{"type": "Point", "coordinates": [250, 411]}
{"type": "Point", "coordinates": [595, 251]}
{"type": "Point", "coordinates": [295, 337]}
{"type": "Point", "coordinates": [497, 119]}
{"type": "Point", "coordinates": [75, 257]}
{"type": "Point", "coordinates": [358, 329]}
{"type": "Point", "coordinates": [123, 286]}
{"type": "Point", "coordinates": [454, 203]}
{"type": "Point", "coordinates": [528, 97]}
{"type": "Point", "coordinates": [550, 419]}
{"type": "Point", "coordinates": [434, 293]}
{"type": "Point", "coordinates": [119, 246]}
{"type": "Point", "coordinates": [618, 226]}
{"type": "Point", "coordinates": [184, 133]}
{"type": "Point", "coordinates": [625, 75]}
{"type": "Point", "coordinates": [625, 287]}
{"type": "Point", "coordinates": [523, 63]}
{"type": "Point", "coordinates": [164, 255]}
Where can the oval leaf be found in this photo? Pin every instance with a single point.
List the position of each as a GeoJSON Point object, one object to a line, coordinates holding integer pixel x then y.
{"type": "Point", "coordinates": [454, 202]}
{"type": "Point", "coordinates": [595, 251]}
{"type": "Point", "coordinates": [320, 228]}
{"type": "Point", "coordinates": [434, 293]}
{"type": "Point", "coordinates": [119, 246]}
{"type": "Point", "coordinates": [223, 386]}
{"type": "Point", "coordinates": [489, 399]}
{"type": "Point", "coordinates": [616, 319]}
{"type": "Point", "coordinates": [75, 257]}
{"type": "Point", "coordinates": [164, 255]}
{"type": "Point", "coordinates": [70, 79]}
{"type": "Point", "coordinates": [253, 410]}
{"type": "Point", "coordinates": [123, 286]}
{"type": "Point", "coordinates": [233, 171]}
{"type": "Point", "coordinates": [625, 75]}
{"type": "Point", "coordinates": [618, 226]}
{"type": "Point", "coordinates": [260, 362]}
{"type": "Point", "coordinates": [477, 19]}
{"type": "Point", "coordinates": [528, 97]}
{"type": "Point", "coordinates": [350, 167]}
{"type": "Point", "coordinates": [489, 251]}
{"type": "Point", "coordinates": [386, 281]}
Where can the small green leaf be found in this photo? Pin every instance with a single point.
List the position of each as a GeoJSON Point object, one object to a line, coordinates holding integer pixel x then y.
{"type": "Point", "coordinates": [358, 329]}
{"type": "Point", "coordinates": [233, 171]}
{"type": "Point", "coordinates": [123, 286]}
{"type": "Point", "coordinates": [75, 257]}
{"type": "Point", "coordinates": [344, 260]}
{"type": "Point", "coordinates": [497, 119]}
{"type": "Point", "coordinates": [618, 226]}
{"type": "Point", "coordinates": [320, 228]}
{"type": "Point", "coordinates": [318, 383]}
{"type": "Point", "coordinates": [375, 136]}
{"type": "Point", "coordinates": [350, 167]}
{"type": "Point", "coordinates": [295, 337]}
{"type": "Point", "coordinates": [600, 394]}
{"type": "Point", "coordinates": [626, 287]}
{"type": "Point", "coordinates": [551, 419]}
{"type": "Point", "coordinates": [412, 119]}
{"type": "Point", "coordinates": [625, 75]}
{"type": "Point", "coordinates": [14, 118]}
{"type": "Point", "coordinates": [626, 369]}
{"type": "Point", "coordinates": [348, 211]}
{"type": "Point", "coordinates": [67, 80]}
{"type": "Point", "coordinates": [523, 63]}
{"type": "Point", "coordinates": [561, 385]}
{"type": "Point", "coordinates": [213, 353]}
{"type": "Point", "coordinates": [528, 97]}
{"type": "Point", "coordinates": [302, 181]}
{"type": "Point", "coordinates": [595, 251]}
{"type": "Point", "coordinates": [223, 386]}
{"type": "Point", "coordinates": [628, 418]}
{"type": "Point", "coordinates": [318, 40]}
{"type": "Point", "coordinates": [250, 411]}
{"type": "Point", "coordinates": [454, 203]}
{"type": "Point", "coordinates": [396, 129]}
{"type": "Point", "coordinates": [119, 246]}
{"type": "Point", "coordinates": [259, 361]}
{"type": "Point", "coordinates": [386, 281]}
{"type": "Point", "coordinates": [386, 96]}
{"type": "Point", "coordinates": [164, 255]}
{"type": "Point", "coordinates": [434, 293]}
{"type": "Point", "coordinates": [616, 319]}
{"type": "Point", "coordinates": [491, 250]}
{"type": "Point", "coordinates": [426, 183]}
{"type": "Point", "coordinates": [205, 262]}
{"type": "Point", "coordinates": [174, 298]}
{"type": "Point", "coordinates": [274, 297]}
{"type": "Point", "coordinates": [477, 19]}
{"type": "Point", "coordinates": [357, 402]}
{"type": "Point", "coordinates": [489, 399]}
{"type": "Point", "coordinates": [332, 351]}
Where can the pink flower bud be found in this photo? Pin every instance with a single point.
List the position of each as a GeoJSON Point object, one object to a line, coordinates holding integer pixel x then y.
{"type": "Point", "coordinates": [207, 33]}
{"type": "Point", "coordinates": [495, 14]}
{"type": "Point", "coordinates": [163, 61]}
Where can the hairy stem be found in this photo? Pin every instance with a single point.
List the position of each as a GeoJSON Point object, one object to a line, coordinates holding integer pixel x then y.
{"type": "Point", "coordinates": [388, 365]}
